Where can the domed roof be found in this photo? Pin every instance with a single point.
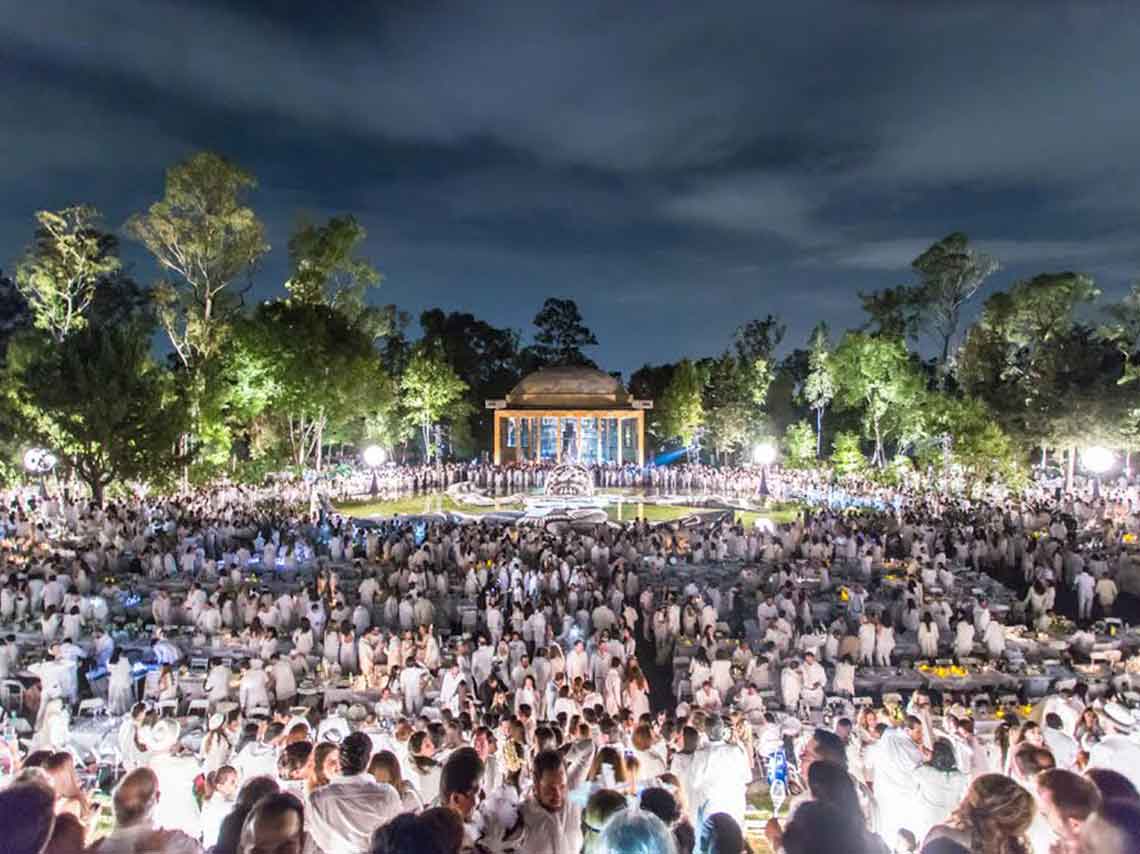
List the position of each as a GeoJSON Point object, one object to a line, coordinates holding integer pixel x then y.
{"type": "Point", "coordinates": [575, 386]}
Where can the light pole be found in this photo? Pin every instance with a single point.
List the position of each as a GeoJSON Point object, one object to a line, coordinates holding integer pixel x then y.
{"type": "Point", "coordinates": [39, 461]}
{"type": "Point", "coordinates": [374, 458]}
{"type": "Point", "coordinates": [1097, 460]}
{"type": "Point", "coordinates": [764, 454]}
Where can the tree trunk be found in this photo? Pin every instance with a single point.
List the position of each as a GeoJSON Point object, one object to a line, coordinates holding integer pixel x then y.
{"type": "Point", "coordinates": [1128, 463]}
{"type": "Point", "coordinates": [1044, 456]}
{"type": "Point", "coordinates": [819, 432]}
{"type": "Point", "coordinates": [320, 440]}
{"type": "Point", "coordinates": [878, 457]}
{"type": "Point", "coordinates": [1070, 468]}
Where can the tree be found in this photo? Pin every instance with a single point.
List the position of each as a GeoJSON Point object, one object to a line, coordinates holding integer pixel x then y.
{"type": "Point", "coordinates": [758, 339]}
{"type": "Point", "coordinates": [733, 401]}
{"type": "Point", "coordinates": [1037, 370]}
{"type": "Point", "coordinates": [60, 271]}
{"type": "Point", "coordinates": [431, 389]}
{"type": "Point", "coordinates": [325, 267]}
{"type": "Point", "coordinates": [819, 387]}
{"type": "Point", "coordinates": [15, 315]}
{"type": "Point", "coordinates": [800, 445]}
{"type": "Point", "coordinates": [950, 272]}
{"type": "Point", "coordinates": [317, 368]}
{"type": "Point", "coordinates": [876, 375]}
{"type": "Point", "coordinates": [963, 432]}
{"type": "Point", "coordinates": [113, 411]}
{"type": "Point", "coordinates": [561, 335]}
{"type": "Point", "coordinates": [205, 237]}
{"type": "Point", "coordinates": [846, 455]}
{"type": "Point", "coordinates": [895, 312]}
{"type": "Point", "coordinates": [680, 411]}
{"type": "Point", "coordinates": [483, 356]}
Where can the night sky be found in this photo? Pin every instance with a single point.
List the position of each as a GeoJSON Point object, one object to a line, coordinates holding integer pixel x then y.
{"type": "Point", "coordinates": [674, 168]}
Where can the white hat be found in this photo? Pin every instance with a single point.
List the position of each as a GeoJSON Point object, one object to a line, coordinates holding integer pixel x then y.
{"type": "Point", "coordinates": [164, 735]}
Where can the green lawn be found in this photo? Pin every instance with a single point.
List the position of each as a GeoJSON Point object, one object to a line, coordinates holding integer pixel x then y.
{"type": "Point", "coordinates": [622, 511]}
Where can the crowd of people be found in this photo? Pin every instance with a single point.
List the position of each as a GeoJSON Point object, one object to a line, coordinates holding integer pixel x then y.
{"type": "Point", "coordinates": [446, 685]}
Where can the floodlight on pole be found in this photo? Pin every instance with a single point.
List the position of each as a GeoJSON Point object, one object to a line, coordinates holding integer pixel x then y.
{"type": "Point", "coordinates": [373, 458]}
{"type": "Point", "coordinates": [39, 461]}
{"type": "Point", "coordinates": [1098, 460]}
{"type": "Point", "coordinates": [764, 454]}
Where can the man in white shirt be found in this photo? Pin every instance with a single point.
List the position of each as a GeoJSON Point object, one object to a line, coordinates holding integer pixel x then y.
{"type": "Point", "coordinates": [1106, 593]}
{"type": "Point", "coordinates": [1085, 585]}
{"type": "Point", "coordinates": [1062, 745]}
{"type": "Point", "coordinates": [719, 774]}
{"type": "Point", "coordinates": [343, 814]}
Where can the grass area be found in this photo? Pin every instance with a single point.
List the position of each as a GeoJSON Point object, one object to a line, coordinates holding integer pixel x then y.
{"type": "Point", "coordinates": [626, 509]}
{"type": "Point", "coordinates": [781, 513]}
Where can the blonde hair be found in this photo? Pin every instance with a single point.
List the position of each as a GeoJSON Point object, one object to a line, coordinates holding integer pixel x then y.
{"type": "Point", "coordinates": [997, 812]}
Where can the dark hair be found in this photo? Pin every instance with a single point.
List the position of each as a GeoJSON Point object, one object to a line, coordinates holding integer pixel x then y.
{"type": "Point", "coordinates": [661, 803]}
{"type": "Point", "coordinates": [293, 758]}
{"type": "Point", "coordinates": [720, 834]}
{"type": "Point", "coordinates": [134, 796]}
{"type": "Point", "coordinates": [942, 755]}
{"type": "Point", "coordinates": [544, 762]}
{"type": "Point", "coordinates": [1073, 795]}
{"type": "Point", "coordinates": [817, 826]}
{"type": "Point", "coordinates": [274, 806]}
{"type": "Point", "coordinates": [829, 747]}
{"type": "Point", "coordinates": [1113, 785]}
{"type": "Point", "coordinates": [409, 833]}
{"type": "Point", "coordinates": [1123, 816]}
{"type": "Point", "coordinates": [831, 784]}
{"type": "Point", "coordinates": [355, 751]}
{"type": "Point", "coordinates": [27, 816]}
{"type": "Point", "coordinates": [462, 772]}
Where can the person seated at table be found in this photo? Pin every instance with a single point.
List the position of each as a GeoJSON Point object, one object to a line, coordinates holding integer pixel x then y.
{"type": "Point", "coordinates": [814, 681]}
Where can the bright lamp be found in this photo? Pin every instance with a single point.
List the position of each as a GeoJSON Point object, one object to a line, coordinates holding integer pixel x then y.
{"type": "Point", "coordinates": [1097, 459]}
{"type": "Point", "coordinates": [764, 453]}
{"type": "Point", "coordinates": [374, 456]}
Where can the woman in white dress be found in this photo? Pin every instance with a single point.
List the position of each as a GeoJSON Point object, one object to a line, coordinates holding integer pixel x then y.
{"type": "Point", "coordinates": [963, 636]}
{"type": "Point", "coordinates": [120, 686]}
{"type": "Point", "coordinates": [939, 787]}
{"type": "Point", "coordinates": [928, 636]}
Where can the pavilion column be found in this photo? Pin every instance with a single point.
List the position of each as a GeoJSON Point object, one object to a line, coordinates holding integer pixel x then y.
{"type": "Point", "coordinates": [578, 423]}
{"type": "Point", "coordinates": [498, 438]}
{"type": "Point", "coordinates": [641, 437]}
{"type": "Point", "coordinates": [558, 444]}
{"type": "Point", "coordinates": [620, 459]}
{"type": "Point", "coordinates": [598, 422]}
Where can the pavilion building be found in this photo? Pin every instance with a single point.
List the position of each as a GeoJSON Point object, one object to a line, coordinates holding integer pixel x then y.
{"type": "Point", "coordinates": [569, 414]}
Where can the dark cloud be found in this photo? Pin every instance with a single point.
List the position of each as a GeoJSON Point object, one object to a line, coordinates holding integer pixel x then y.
{"type": "Point", "coordinates": [675, 167]}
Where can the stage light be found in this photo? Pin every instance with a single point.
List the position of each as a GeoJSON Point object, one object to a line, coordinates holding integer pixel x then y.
{"type": "Point", "coordinates": [374, 456]}
{"type": "Point", "coordinates": [764, 453]}
{"type": "Point", "coordinates": [1098, 460]}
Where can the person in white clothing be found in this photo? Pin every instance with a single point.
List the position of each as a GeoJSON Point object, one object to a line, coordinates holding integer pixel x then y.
{"type": "Point", "coordinates": [342, 814]}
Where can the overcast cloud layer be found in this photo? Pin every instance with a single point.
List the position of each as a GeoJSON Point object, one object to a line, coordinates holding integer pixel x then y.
{"type": "Point", "coordinates": [675, 168]}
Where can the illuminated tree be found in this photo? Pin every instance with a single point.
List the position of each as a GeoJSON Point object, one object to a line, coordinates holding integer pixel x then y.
{"type": "Point", "coordinates": [875, 375]}
{"type": "Point", "coordinates": [207, 240]}
{"type": "Point", "coordinates": [680, 410]}
{"type": "Point", "coordinates": [950, 272]}
{"type": "Point", "coordinates": [431, 390]}
{"type": "Point", "coordinates": [819, 387]}
{"type": "Point", "coordinates": [60, 272]}
{"type": "Point", "coordinates": [800, 445]}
